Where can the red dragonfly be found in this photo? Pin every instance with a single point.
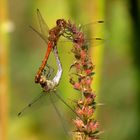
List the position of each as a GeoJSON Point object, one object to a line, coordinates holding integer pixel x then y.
{"type": "Point", "coordinates": [50, 37]}
{"type": "Point", "coordinates": [49, 86]}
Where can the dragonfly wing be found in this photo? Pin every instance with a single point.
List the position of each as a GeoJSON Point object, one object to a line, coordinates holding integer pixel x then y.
{"type": "Point", "coordinates": [43, 26]}
{"type": "Point", "coordinates": [95, 27]}
{"type": "Point", "coordinates": [59, 114]}
{"type": "Point", "coordinates": [40, 34]}
{"type": "Point", "coordinates": [36, 99]}
{"type": "Point", "coordinates": [89, 42]}
{"type": "Point", "coordinates": [64, 102]}
{"type": "Point", "coordinates": [93, 42]}
{"type": "Point", "coordinates": [93, 33]}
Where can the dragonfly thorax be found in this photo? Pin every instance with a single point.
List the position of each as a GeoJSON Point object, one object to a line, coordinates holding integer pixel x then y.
{"type": "Point", "coordinates": [56, 32]}
{"type": "Point", "coordinates": [54, 35]}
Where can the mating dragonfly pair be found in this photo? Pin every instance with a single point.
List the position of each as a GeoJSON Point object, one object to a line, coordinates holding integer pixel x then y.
{"type": "Point", "coordinates": [51, 37]}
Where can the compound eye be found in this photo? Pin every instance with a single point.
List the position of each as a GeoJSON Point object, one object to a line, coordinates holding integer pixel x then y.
{"type": "Point", "coordinates": [61, 22]}
{"type": "Point", "coordinates": [58, 22]}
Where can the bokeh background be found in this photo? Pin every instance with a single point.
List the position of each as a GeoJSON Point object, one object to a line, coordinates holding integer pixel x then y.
{"type": "Point", "coordinates": [117, 79]}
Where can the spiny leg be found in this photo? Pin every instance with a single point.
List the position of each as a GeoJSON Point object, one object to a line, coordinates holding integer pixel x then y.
{"type": "Point", "coordinates": [50, 71]}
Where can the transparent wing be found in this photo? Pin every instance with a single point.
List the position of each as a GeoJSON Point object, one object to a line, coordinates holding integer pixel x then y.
{"type": "Point", "coordinates": [36, 99]}
{"type": "Point", "coordinates": [40, 34]}
{"type": "Point", "coordinates": [93, 32]}
{"type": "Point", "coordinates": [94, 42]}
{"type": "Point", "coordinates": [96, 28]}
{"type": "Point", "coordinates": [43, 26]}
{"type": "Point", "coordinates": [59, 114]}
{"type": "Point", "coordinates": [90, 42]}
{"type": "Point", "coordinates": [96, 25]}
{"type": "Point", "coordinates": [39, 102]}
{"type": "Point", "coordinates": [64, 102]}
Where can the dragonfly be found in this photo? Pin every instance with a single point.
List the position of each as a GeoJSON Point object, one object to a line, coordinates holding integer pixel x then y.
{"type": "Point", "coordinates": [49, 86]}
{"type": "Point", "coordinates": [50, 37]}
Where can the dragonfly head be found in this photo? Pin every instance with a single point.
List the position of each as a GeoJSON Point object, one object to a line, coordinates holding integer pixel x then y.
{"type": "Point", "coordinates": [61, 23]}
{"type": "Point", "coordinates": [47, 85]}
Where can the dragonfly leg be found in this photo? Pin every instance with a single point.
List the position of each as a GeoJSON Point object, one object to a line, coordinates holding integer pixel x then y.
{"type": "Point", "coordinates": [50, 71]}
{"type": "Point", "coordinates": [67, 34]}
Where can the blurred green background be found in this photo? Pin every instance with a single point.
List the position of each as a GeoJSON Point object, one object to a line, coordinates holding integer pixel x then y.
{"type": "Point", "coordinates": [117, 68]}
